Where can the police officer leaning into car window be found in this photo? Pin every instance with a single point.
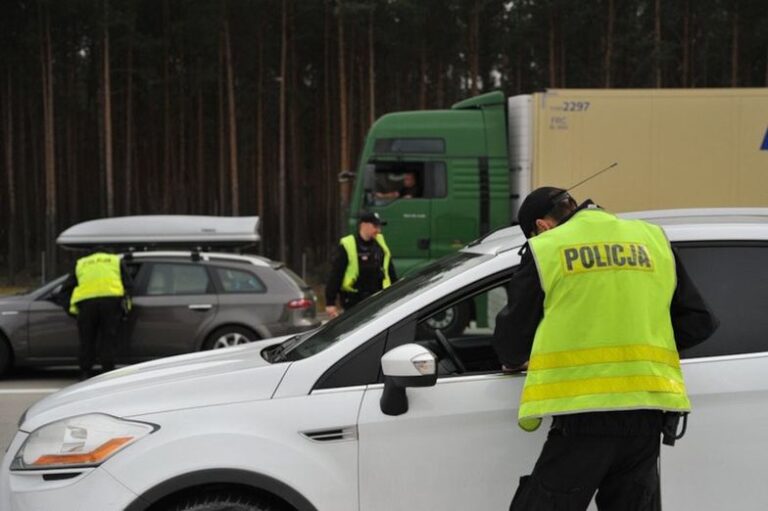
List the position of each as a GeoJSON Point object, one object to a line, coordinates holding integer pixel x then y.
{"type": "Point", "coordinates": [597, 312]}
{"type": "Point", "coordinates": [362, 265]}
{"type": "Point", "coordinates": [101, 295]}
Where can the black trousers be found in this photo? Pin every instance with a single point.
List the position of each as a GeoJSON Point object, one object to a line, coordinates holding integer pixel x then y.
{"type": "Point", "coordinates": [98, 322]}
{"type": "Point", "coordinates": [623, 470]}
{"type": "Point", "coordinates": [349, 300]}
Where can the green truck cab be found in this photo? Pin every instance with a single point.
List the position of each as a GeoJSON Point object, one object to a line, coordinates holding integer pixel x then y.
{"type": "Point", "coordinates": [459, 160]}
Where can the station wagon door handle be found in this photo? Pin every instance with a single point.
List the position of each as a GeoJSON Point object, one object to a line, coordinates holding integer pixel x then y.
{"type": "Point", "coordinates": [201, 307]}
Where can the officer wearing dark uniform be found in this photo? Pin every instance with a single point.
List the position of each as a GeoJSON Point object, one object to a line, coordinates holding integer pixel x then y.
{"type": "Point", "coordinates": [596, 314]}
{"type": "Point", "coordinates": [101, 285]}
{"type": "Point", "coordinates": [362, 265]}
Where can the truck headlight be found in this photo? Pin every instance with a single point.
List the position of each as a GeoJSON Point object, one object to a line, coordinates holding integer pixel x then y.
{"type": "Point", "coordinates": [82, 441]}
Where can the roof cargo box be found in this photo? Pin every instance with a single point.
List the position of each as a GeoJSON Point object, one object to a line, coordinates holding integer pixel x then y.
{"type": "Point", "coordinates": [145, 231]}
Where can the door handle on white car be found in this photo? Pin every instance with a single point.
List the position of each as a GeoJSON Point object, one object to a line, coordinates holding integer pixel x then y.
{"type": "Point", "coordinates": [200, 307]}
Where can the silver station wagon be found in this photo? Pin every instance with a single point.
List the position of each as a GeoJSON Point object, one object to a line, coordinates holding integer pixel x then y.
{"type": "Point", "coordinates": [183, 301]}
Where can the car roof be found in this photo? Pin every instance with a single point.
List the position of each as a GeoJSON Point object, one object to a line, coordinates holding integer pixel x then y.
{"type": "Point", "coordinates": [207, 256]}
{"type": "Point", "coordinates": [679, 224]}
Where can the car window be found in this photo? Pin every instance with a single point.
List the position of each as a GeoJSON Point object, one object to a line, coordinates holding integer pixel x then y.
{"type": "Point", "coordinates": [178, 279]}
{"type": "Point", "coordinates": [467, 325]}
{"type": "Point", "coordinates": [380, 303]}
{"type": "Point", "coordinates": [238, 281]}
{"type": "Point", "coordinates": [734, 282]}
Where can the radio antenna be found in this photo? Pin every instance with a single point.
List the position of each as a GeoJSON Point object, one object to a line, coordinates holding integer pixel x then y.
{"type": "Point", "coordinates": [561, 195]}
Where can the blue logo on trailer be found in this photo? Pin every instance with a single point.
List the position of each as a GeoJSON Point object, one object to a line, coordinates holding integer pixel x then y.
{"type": "Point", "coordinates": [764, 147]}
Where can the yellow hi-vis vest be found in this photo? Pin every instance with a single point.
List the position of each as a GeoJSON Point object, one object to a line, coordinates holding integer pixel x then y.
{"type": "Point", "coordinates": [605, 341]}
{"type": "Point", "coordinates": [352, 271]}
{"type": "Point", "coordinates": [98, 275]}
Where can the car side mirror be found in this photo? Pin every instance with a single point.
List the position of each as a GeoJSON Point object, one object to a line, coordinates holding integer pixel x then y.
{"type": "Point", "coordinates": [409, 365]}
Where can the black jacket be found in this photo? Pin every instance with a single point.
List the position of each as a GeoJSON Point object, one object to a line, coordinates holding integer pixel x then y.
{"type": "Point", "coordinates": [339, 267]}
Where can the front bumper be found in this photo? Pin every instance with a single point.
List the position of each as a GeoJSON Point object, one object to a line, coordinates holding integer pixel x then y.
{"type": "Point", "coordinates": [90, 489]}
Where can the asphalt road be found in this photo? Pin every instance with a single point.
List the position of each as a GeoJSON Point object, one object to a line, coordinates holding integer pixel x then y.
{"type": "Point", "coordinates": [21, 388]}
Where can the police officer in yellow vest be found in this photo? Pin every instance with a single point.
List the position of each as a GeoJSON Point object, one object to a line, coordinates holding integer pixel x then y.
{"type": "Point", "coordinates": [362, 266]}
{"type": "Point", "coordinates": [596, 314]}
{"type": "Point", "coordinates": [101, 283]}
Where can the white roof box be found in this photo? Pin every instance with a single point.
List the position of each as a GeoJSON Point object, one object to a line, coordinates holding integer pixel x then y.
{"type": "Point", "coordinates": [143, 231]}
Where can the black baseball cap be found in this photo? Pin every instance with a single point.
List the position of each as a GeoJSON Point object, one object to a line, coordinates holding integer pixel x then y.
{"type": "Point", "coordinates": [371, 218]}
{"type": "Point", "coordinates": [537, 205]}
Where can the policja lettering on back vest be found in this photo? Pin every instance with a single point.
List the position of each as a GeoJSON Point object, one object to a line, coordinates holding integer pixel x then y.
{"type": "Point", "coordinates": [98, 275]}
{"type": "Point", "coordinates": [612, 360]}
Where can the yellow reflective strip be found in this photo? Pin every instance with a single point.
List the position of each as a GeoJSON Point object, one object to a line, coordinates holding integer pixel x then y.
{"type": "Point", "coordinates": [634, 353]}
{"type": "Point", "coordinates": [618, 385]}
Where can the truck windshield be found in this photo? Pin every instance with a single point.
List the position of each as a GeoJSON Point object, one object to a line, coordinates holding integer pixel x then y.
{"type": "Point", "coordinates": [380, 303]}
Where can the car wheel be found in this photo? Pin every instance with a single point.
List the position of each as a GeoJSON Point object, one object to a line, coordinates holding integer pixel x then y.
{"type": "Point", "coordinates": [5, 355]}
{"type": "Point", "coordinates": [225, 502]}
{"type": "Point", "coordinates": [229, 336]}
{"type": "Point", "coordinates": [451, 321]}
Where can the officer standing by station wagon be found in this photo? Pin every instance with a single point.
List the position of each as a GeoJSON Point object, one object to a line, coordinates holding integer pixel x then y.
{"type": "Point", "coordinates": [101, 283]}
{"type": "Point", "coordinates": [362, 265]}
{"type": "Point", "coordinates": [597, 313]}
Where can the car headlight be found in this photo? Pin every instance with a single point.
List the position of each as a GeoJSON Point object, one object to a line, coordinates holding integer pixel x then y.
{"type": "Point", "coordinates": [82, 441]}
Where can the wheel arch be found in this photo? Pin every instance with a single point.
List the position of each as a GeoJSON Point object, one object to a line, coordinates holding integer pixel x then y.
{"type": "Point", "coordinates": [222, 478]}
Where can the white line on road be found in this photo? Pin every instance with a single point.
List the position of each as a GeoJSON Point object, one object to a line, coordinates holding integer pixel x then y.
{"type": "Point", "coordinates": [28, 391]}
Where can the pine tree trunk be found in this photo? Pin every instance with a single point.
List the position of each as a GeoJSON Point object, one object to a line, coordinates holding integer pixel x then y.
{"type": "Point", "coordinates": [11, 219]}
{"type": "Point", "coordinates": [551, 46]}
{"type": "Point", "coordinates": [49, 154]}
{"type": "Point", "coordinates": [107, 88]}
{"type": "Point", "coordinates": [128, 179]}
{"type": "Point", "coordinates": [234, 179]}
{"type": "Point", "coordinates": [281, 154]}
{"type": "Point", "coordinates": [607, 66]}
{"type": "Point", "coordinates": [657, 44]}
{"type": "Point", "coordinates": [735, 45]}
{"type": "Point", "coordinates": [344, 185]}
{"type": "Point", "coordinates": [200, 145]}
{"type": "Point", "coordinates": [166, 170]}
{"type": "Point", "coordinates": [371, 69]}
{"type": "Point", "coordinates": [259, 163]}
{"type": "Point", "coordinates": [329, 180]}
{"type": "Point", "coordinates": [219, 207]}
{"type": "Point", "coordinates": [686, 65]}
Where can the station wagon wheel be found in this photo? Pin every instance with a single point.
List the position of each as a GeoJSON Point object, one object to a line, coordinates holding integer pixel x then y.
{"type": "Point", "coordinates": [229, 336]}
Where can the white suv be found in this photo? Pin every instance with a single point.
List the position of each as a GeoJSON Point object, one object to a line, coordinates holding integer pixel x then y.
{"type": "Point", "coordinates": [323, 420]}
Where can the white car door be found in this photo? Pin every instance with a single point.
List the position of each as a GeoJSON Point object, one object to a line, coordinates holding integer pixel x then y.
{"type": "Point", "coordinates": [720, 463]}
{"type": "Point", "coordinates": [458, 446]}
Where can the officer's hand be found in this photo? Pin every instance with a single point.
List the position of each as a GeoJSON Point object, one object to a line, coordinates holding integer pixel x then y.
{"type": "Point", "coordinates": [332, 311]}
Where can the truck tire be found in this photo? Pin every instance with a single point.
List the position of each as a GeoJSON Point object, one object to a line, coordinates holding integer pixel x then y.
{"type": "Point", "coordinates": [227, 336]}
{"type": "Point", "coordinates": [222, 501]}
{"type": "Point", "coordinates": [451, 321]}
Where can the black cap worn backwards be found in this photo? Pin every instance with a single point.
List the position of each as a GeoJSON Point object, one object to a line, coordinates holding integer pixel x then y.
{"type": "Point", "coordinates": [371, 218]}
{"type": "Point", "coordinates": [537, 205]}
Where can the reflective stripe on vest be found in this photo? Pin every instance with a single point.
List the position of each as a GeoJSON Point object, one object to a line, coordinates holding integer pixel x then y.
{"type": "Point", "coordinates": [98, 275]}
{"type": "Point", "coordinates": [352, 271]}
{"type": "Point", "coordinates": [605, 341]}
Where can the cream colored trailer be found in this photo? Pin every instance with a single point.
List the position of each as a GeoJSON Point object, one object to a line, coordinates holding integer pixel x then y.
{"type": "Point", "coordinates": [675, 148]}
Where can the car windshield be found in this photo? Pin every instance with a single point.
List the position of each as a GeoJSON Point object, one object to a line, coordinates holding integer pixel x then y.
{"type": "Point", "coordinates": [378, 304]}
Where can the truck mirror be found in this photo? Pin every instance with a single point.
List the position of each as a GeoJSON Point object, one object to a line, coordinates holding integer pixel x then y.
{"type": "Point", "coordinates": [409, 365]}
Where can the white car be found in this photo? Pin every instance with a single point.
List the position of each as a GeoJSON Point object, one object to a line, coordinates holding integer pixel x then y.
{"type": "Point", "coordinates": [323, 420]}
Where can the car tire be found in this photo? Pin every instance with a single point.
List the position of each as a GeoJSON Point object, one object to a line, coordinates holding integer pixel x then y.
{"type": "Point", "coordinates": [225, 502]}
{"type": "Point", "coordinates": [451, 321]}
{"type": "Point", "coordinates": [6, 357]}
{"type": "Point", "coordinates": [228, 336]}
